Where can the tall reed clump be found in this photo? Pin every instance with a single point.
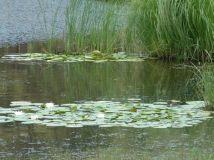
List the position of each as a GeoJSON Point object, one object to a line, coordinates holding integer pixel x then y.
{"type": "Point", "coordinates": [141, 27]}
{"type": "Point", "coordinates": [94, 25]}
{"type": "Point", "coordinates": [206, 84]}
{"type": "Point", "coordinates": [183, 29]}
{"type": "Point", "coordinates": [49, 23]}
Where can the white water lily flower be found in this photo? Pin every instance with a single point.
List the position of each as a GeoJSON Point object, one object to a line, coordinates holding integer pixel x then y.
{"type": "Point", "coordinates": [18, 113]}
{"type": "Point", "coordinates": [100, 115]}
{"type": "Point", "coordinates": [49, 105]}
{"type": "Point", "coordinates": [34, 117]}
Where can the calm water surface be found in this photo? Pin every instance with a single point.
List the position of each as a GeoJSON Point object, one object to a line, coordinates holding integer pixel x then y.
{"type": "Point", "coordinates": [25, 20]}
{"type": "Point", "coordinates": [65, 83]}
{"type": "Point", "coordinates": [21, 22]}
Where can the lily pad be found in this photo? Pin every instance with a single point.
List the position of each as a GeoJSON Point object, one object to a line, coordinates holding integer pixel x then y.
{"type": "Point", "coordinates": [95, 56]}
{"type": "Point", "coordinates": [132, 113]}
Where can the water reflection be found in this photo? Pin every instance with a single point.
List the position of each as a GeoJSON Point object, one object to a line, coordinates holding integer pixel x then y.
{"type": "Point", "coordinates": [64, 83]}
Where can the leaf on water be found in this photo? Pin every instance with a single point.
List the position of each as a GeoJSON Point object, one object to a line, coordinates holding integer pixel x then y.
{"type": "Point", "coordinates": [74, 126]}
{"type": "Point", "coordinates": [31, 122]}
{"type": "Point", "coordinates": [59, 112]}
{"type": "Point", "coordinates": [6, 120]}
{"type": "Point", "coordinates": [74, 108]}
{"type": "Point", "coordinates": [106, 125]}
{"type": "Point", "coordinates": [20, 103]}
{"type": "Point", "coordinates": [106, 114]}
{"type": "Point", "coordinates": [54, 124]}
{"type": "Point", "coordinates": [95, 56]}
{"type": "Point", "coordinates": [43, 106]}
{"type": "Point", "coordinates": [133, 109]}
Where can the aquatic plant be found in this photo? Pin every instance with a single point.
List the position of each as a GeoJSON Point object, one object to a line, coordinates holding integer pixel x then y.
{"type": "Point", "coordinates": [206, 84]}
{"type": "Point", "coordinates": [174, 28]}
{"type": "Point", "coordinates": [90, 25]}
{"type": "Point", "coordinates": [94, 25]}
{"type": "Point", "coordinates": [167, 29]}
{"type": "Point", "coordinates": [106, 114]}
{"type": "Point", "coordinates": [94, 56]}
{"type": "Point", "coordinates": [50, 27]}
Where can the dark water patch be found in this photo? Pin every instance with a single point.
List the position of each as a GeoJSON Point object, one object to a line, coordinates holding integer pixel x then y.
{"type": "Point", "coordinates": [64, 83]}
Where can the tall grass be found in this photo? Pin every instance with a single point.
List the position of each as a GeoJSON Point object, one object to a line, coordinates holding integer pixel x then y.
{"type": "Point", "coordinates": [94, 25]}
{"type": "Point", "coordinates": [206, 85]}
{"type": "Point", "coordinates": [181, 29]}
{"type": "Point", "coordinates": [175, 28]}
{"type": "Point", "coordinates": [49, 23]}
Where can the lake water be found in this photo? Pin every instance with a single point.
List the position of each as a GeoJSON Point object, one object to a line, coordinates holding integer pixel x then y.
{"type": "Point", "coordinates": [65, 83]}
{"type": "Point", "coordinates": [24, 20]}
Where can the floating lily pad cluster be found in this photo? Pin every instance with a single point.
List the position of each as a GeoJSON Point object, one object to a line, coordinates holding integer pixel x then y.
{"type": "Point", "coordinates": [95, 56]}
{"type": "Point", "coordinates": [106, 114]}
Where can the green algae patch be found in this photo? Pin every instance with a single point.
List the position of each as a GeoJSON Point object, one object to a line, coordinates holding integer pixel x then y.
{"type": "Point", "coordinates": [94, 56]}
{"type": "Point", "coordinates": [106, 114]}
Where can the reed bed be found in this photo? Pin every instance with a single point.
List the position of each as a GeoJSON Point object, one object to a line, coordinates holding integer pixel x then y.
{"type": "Point", "coordinates": [206, 85]}
{"type": "Point", "coordinates": [175, 28]}
{"type": "Point", "coordinates": [94, 25]}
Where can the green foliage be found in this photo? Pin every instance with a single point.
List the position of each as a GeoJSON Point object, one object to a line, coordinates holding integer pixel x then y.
{"type": "Point", "coordinates": [131, 114]}
{"type": "Point", "coordinates": [92, 25]}
{"type": "Point", "coordinates": [206, 85]}
{"type": "Point", "coordinates": [175, 28]}
{"type": "Point", "coordinates": [95, 56]}
{"type": "Point", "coordinates": [74, 108]}
{"type": "Point", "coordinates": [163, 28]}
{"type": "Point", "coordinates": [51, 43]}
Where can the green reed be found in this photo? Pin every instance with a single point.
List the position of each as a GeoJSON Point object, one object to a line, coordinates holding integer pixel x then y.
{"type": "Point", "coordinates": [206, 84]}
{"type": "Point", "coordinates": [93, 25]}
{"type": "Point", "coordinates": [163, 28]}
{"type": "Point", "coordinates": [175, 28]}
{"type": "Point", "coordinates": [50, 29]}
